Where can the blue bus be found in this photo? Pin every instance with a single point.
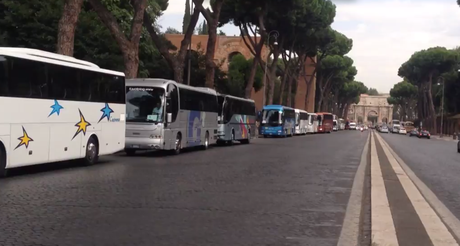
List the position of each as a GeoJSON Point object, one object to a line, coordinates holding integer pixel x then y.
{"type": "Point", "coordinates": [278, 120]}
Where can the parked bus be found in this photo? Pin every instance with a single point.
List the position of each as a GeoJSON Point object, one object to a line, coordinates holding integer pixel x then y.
{"type": "Point", "coordinates": [57, 108]}
{"type": "Point", "coordinates": [278, 120]}
{"type": "Point", "coordinates": [312, 123]}
{"type": "Point", "coordinates": [301, 122]}
{"type": "Point", "coordinates": [190, 119]}
{"type": "Point", "coordinates": [237, 119]}
{"type": "Point", "coordinates": [325, 122]}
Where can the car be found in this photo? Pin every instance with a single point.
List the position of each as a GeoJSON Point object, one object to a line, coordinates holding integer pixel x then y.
{"type": "Point", "coordinates": [413, 133]}
{"type": "Point", "coordinates": [424, 134]}
{"type": "Point", "coordinates": [384, 129]}
{"type": "Point", "coordinates": [402, 130]}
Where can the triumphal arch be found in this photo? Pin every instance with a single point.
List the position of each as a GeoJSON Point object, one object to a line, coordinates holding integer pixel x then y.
{"type": "Point", "coordinates": [371, 109]}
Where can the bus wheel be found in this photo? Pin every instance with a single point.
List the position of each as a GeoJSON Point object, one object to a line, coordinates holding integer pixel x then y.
{"type": "Point", "coordinates": [2, 162]}
{"type": "Point", "coordinates": [92, 151]}
{"type": "Point", "coordinates": [248, 140]}
{"type": "Point", "coordinates": [206, 142]}
{"type": "Point", "coordinates": [178, 145]}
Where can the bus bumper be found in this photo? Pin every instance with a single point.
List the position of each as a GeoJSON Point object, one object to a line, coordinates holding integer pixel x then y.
{"type": "Point", "coordinates": [144, 143]}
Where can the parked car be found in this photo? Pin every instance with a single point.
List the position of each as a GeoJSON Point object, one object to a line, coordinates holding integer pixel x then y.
{"type": "Point", "coordinates": [384, 129]}
{"type": "Point", "coordinates": [424, 134]}
{"type": "Point", "coordinates": [402, 130]}
{"type": "Point", "coordinates": [413, 133]}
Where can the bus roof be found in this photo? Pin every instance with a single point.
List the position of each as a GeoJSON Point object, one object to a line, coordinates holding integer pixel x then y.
{"type": "Point", "coordinates": [234, 97]}
{"type": "Point", "coordinates": [300, 111]}
{"type": "Point", "coordinates": [53, 58]}
{"type": "Point", "coordinates": [324, 113]}
{"type": "Point", "coordinates": [164, 82]}
{"type": "Point", "coordinates": [276, 107]}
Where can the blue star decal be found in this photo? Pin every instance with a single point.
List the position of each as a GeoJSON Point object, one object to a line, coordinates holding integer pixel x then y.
{"type": "Point", "coordinates": [106, 112]}
{"type": "Point", "coordinates": [56, 108]}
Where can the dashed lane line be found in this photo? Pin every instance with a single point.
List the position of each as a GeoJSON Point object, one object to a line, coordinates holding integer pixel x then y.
{"type": "Point", "coordinates": [382, 225]}
{"type": "Point", "coordinates": [437, 231]}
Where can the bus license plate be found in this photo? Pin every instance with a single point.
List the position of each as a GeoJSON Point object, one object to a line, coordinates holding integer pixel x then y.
{"type": "Point", "coordinates": [135, 146]}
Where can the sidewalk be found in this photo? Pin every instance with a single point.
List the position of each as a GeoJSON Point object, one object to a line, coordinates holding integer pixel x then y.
{"type": "Point", "coordinates": [444, 137]}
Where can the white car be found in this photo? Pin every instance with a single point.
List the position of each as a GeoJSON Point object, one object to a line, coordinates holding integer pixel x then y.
{"type": "Point", "coordinates": [384, 129]}
{"type": "Point", "coordinates": [402, 131]}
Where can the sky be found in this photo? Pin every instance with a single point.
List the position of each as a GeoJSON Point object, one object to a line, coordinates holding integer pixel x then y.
{"type": "Point", "coordinates": [385, 33]}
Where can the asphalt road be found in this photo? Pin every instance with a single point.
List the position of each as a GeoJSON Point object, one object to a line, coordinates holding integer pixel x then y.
{"type": "Point", "coordinates": [436, 162]}
{"type": "Point", "coordinates": [291, 191]}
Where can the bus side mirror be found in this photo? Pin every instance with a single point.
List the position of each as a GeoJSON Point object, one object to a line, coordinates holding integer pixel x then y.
{"type": "Point", "coordinates": [169, 118]}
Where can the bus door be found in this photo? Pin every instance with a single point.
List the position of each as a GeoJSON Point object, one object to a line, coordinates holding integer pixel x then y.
{"type": "Point", "coordinates": [170, 129]}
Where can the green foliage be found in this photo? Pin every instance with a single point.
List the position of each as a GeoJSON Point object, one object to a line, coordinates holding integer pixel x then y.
{"type": "Point", "coordinates": [238, 73]}
{"type": "Point", "coordinates": [171, 30]}
{"type": "Point", "coordinates": [373, 92]}
{"type": "Point", "coordinates": [187, 17]}
{"type": "Point", "coordinates": [350, 92]}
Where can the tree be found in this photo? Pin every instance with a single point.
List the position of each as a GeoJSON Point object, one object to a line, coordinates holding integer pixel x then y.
{"type": "Point", "coordinates": [349, 94]}
{"type": "Point", "coordinates": [212, 17]}
{"type": "Point", "coordinates": [238, 71]}
{"type": "Point", "coordinates": [423, 69]}
{"type": "Point", "coordinates": [67, 26]}
{"type": "Point", "coordinates": [175, 61]}
{"type": "Point", "coordinates": [221, 33]}
{"type": "Point", "coordinates": [129, 45]}
{"type": "Point", "coordinates": [373, 92]}
{"type": "Point", "coordinates": [403, 96]}
{"type": "Point", "coordinates": [171, 30]}
{"type": "Point", "coordinates": [187, 17]}
{"type": "Point", "coordinates": [202, 29]}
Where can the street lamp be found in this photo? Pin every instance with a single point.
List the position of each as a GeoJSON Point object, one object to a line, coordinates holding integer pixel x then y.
{"type": "Point", "coordinates": [442, 104]}
{"type": "Point", "coordinates": [275, 34]}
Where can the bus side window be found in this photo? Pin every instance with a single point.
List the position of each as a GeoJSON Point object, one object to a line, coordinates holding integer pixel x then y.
{"type": "Point", "coordinates": [174, 107]}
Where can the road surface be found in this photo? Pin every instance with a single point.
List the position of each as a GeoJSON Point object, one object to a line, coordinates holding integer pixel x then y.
{"type": "Point", "coordinates": [291, 191]}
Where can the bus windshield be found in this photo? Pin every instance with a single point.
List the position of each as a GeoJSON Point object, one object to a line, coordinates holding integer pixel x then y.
{"type": "Point", "coordinates": [271, 117]}
{"type": "Point", "coordinates": [144, 104]}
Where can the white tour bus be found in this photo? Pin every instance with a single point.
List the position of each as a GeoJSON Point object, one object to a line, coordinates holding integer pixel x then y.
{"type": "Point", "coordinates": [301, 122]}
{"type": "Point", "coordinates": [57, 108]}
{"type": "Point", "coordinates": [190, 117]}
{"type": "Point", "coordinates": [312, 123]}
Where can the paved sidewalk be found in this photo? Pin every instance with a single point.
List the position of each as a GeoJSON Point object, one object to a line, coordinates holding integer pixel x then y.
{"type": "Point", "coordinates": [444, 137]}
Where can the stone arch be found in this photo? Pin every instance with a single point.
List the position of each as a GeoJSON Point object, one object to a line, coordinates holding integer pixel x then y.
{"type": "Point", "coordinates": [372, 117]}
{"type": "Point", "coordinates": [231, 55]}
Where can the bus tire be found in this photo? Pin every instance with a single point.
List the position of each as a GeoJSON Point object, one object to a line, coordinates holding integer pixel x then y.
{"type": "Point", "coordinates": [3, 171]}
{"type": "Point", "coordinates": [92, 151]}
{"type": "Point", "coordinates": [205, 146]}
{"type": "Point", "coordinates": [247, 140]}
{"type": "Point", "coordinates": [177, 145]}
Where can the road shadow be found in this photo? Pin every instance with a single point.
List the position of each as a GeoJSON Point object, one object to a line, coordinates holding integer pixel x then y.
{"type": "Point", "coordinates": [54, 166]}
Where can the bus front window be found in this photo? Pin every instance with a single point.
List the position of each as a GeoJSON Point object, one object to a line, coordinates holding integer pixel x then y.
{"type": "Point", "coordinates": [145, 104]}
{"type": "Point", "coordinates": [271, 117]}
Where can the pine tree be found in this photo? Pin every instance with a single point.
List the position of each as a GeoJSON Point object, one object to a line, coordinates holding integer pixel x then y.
{"type": "Point", "coordinates": [187, 17]}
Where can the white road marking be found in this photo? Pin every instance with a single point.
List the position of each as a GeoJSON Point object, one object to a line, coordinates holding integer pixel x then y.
{"type": "Point", "coordinates": [349, 235]}
{"type": "Point", "coordinates": [437, 231]}
{"type": "Point", "coordinates": [383, 229]}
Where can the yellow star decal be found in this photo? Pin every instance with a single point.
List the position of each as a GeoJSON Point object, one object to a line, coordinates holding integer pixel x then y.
{"type": "Point", "coordinates": [82, 125]}
{"type": "Point", "coordinates": [25, 139]}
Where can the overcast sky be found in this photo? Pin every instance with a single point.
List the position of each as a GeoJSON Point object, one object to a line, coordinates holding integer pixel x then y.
{"type": "Point", "coordinates": [385, 32]}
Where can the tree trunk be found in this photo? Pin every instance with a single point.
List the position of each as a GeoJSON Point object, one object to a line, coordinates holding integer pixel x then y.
{"type": "Point", "coordinates": [212, 22]}
{"type": "Point", "coordinates": [431, 107]}
{"type": "Point", "coordinates": [289, 95]}
{"type": "Point", "coordinates": [273, 68]}
{"type": "Point", "coordinates": [67, 26]}
{"type": "Point", "coordinates": [128, 46]}
{"type": "Point", "coordinates": [176, 62]}
{"type": "Point", "coordinates": [308, 82]}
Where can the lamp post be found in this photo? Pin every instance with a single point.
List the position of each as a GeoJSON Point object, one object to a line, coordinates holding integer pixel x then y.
{"type": "Point", "coordinates": [442, 105]}
{"type": "Point", "coordinates": [275, 34]}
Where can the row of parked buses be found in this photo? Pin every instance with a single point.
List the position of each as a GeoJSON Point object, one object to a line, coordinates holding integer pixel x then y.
{"type": "Point", "coordinates": [278, 120]}
{"type": "Point", "coordinates": [57, 108]}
